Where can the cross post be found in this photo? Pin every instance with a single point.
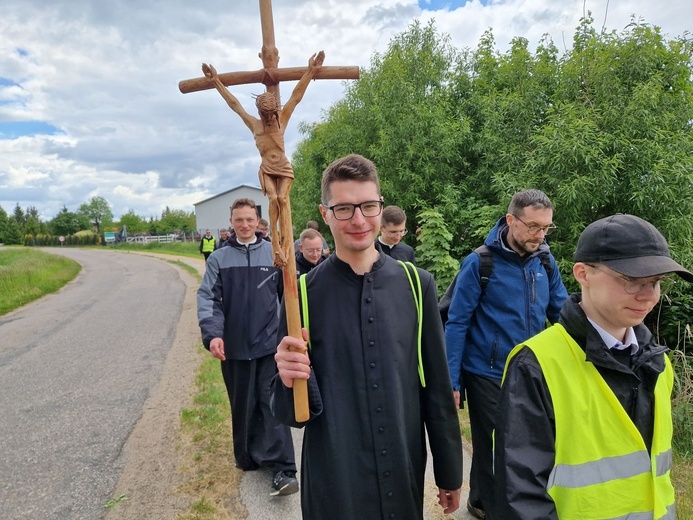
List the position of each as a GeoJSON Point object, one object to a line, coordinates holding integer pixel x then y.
{"type": "Point", "coordinates": [276, 174]}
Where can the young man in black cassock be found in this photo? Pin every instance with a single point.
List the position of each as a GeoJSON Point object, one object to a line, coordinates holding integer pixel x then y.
{"type": "Point", "coordinates": [364, 449]}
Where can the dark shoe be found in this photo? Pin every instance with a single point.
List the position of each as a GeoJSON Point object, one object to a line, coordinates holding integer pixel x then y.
{"type": "Point", "coordinates": [476, 512]}
{"type": "Point", "coordinates": [284, 483]}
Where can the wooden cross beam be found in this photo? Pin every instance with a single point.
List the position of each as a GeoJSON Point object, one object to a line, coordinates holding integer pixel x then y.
{"type": "Point", "coordinates": [276, 174]}
{"type": "Point", "coordinates": [269, 75]}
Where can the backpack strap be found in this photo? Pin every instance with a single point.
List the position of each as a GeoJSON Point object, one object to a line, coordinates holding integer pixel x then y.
{"type": "Point", "coordinates": [485, 265]}
{"type": "Point", "coordinates": [545, 259]}
{"type": "Point", "coordinates": [418, 303]}
{"type": "Point", "coordinates": [304, 305]}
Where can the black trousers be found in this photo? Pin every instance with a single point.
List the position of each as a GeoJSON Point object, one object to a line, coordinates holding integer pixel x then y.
{"type": "Point", "coordinates": [482, 401]}
{"type": "Point", "coordinates": [259, 440]}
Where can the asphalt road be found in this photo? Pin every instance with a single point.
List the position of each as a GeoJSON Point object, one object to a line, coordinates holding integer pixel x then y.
{"type": "Point", "coordinates": [75, 370]}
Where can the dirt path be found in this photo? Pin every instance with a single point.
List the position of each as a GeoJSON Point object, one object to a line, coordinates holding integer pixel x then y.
{"type": "Point", "coordinates": [151, 472]}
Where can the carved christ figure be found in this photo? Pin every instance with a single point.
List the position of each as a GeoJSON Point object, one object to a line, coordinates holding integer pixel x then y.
{"type": "Point", "coordinates": [276, 174]}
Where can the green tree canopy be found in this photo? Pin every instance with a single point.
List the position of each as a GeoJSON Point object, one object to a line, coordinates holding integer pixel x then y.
{"type": "Point", "coordinates": [68, 223]}
{"type": "Point", "coordinates": [133, 222]}
{"type": "Point", "coordinates": [98, 211]}
{"type": "Point", "coordinates": [602, 128]}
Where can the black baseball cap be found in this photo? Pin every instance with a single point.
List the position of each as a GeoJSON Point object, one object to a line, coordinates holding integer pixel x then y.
{"type": "Point", "coordinates": [629, 245]}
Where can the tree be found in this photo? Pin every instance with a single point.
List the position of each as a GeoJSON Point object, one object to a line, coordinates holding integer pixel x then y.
{"type": "Point", "coordinates": [98, 211]}
{"type": "Point", "coordinates": [176, 220]}
{"type": "Point", "coordinates": [4, 225]}
{"type": "Point", "coordinates": [18, 216]}
{"type": "Point", "coordinates": [133, 222]}
{"type": "Point", "coordinates": [603, 128]}
{"type": "Point", "coordinates": [68, 223]}
{"type": "Point", "coordinates": [399, 115]}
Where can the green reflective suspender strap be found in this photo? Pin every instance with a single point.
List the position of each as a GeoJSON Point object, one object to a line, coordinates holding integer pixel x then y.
{"type": "Point", "coordinates": [418, 302]}
{"type": "Point", "coordinates": [304, 305]}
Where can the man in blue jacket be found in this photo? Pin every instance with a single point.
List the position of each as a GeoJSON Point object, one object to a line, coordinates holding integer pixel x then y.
{"type": "Point", "coordinates": [486, 320]}
{"type": "Point", "coordinates": [237, 310]}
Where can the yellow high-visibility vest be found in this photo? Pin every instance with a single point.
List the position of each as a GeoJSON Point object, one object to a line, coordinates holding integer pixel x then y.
{"type": "Point", "coordinates": [208, 244]}
{"type": "Point", "coordinates": [602, 468]}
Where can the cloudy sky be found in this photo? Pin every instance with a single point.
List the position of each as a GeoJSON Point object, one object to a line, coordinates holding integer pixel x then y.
{"type": "Point", "coordinates": [89, 100]}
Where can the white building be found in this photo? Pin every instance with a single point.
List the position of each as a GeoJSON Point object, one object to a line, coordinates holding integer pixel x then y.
{"type": "Point", "coordinates": [214, 213]}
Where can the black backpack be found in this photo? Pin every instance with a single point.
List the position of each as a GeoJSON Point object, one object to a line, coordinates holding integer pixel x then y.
{"type": "Point", "coordinates": [485, 270]}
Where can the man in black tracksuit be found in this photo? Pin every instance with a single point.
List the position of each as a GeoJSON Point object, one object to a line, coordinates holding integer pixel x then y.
{"type": "Point", "coordinates": [238, 315]}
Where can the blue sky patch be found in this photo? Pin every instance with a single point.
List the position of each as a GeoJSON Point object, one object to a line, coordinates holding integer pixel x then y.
{"type": "Point", "coordinates": [15, 129]}
{"type": "Point", "coordinates": [4, 82]}
{"type": "Point", "coordinates": [437, 5]}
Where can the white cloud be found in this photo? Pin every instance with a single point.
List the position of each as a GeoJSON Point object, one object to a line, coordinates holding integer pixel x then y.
{"type": "Point", "coordinates": [106, 75]}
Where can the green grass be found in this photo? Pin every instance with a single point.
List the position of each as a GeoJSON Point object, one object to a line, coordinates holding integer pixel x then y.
{"type": "Point", "coordinates": [27, 274]}
{"type": "Point", "coordinates": [211, 480]}
{"type": "Point", "coordinates": [191, 249]}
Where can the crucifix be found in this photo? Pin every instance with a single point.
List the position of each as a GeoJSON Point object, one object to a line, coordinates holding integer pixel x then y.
{"type": "Point", "coordinates": [276, 174]}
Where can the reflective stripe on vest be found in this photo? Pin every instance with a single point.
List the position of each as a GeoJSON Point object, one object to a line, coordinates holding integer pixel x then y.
{"type": "Point", "coordinates": [602, 468]}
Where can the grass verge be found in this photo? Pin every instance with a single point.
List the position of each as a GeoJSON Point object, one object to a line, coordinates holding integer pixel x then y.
{"type": "Point", "coordinates": [191, 249]}
{"type": "Point", "coordinates": [212, 480]}
{"type": "Point", "coordinates": [27, 274]}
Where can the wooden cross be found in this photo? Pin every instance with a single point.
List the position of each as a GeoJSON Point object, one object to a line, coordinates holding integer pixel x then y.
{"type": "Point", "coordinates": [270, 75]}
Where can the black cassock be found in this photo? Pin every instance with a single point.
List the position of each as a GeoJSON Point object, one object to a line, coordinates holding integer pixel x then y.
{"type": "Point", "coordinates": [364, 447]}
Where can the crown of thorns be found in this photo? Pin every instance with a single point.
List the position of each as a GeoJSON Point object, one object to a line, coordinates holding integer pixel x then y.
{"type": "Point", "coordinates": [266, 102]}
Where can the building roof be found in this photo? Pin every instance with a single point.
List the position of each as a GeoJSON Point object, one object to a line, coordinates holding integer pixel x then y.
{"type": "Point", "coordinates": [229, 191]}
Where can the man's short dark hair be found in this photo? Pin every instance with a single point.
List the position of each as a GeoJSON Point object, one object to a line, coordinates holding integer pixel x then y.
{"type": "Point", "coordinates": [262, 222]}
{"type": "Point", "coordinates": [525, 198]}
{"type": "Point", "coordinates": [350, 168]}
{"type": "Point", "coordinates": [312, 224]}
{"type": "Point", "coordinates": [393, 215]}
{"type": "Point", "coordinates": [243, 202]}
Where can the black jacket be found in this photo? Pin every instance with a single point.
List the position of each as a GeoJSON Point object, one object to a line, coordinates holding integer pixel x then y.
{"type": "Point", "coordinates": [364, 447]}
{"type": "Point", "coordinates": [525, 429]}
{"type": "Point", "coordinates": [303, 266]}
{"type": "Point", "coordinates": [400, 251]}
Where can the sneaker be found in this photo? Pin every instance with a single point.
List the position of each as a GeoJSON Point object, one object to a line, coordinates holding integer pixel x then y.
{"type": "Point", "coordinates": [476, 512]}
{"type": "Point", "coordinates": [284, 483]}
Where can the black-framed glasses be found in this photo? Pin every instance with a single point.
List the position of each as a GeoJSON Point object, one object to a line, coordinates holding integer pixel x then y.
{"type": "Point", "coordinates": [370, 208]}
{"type": "Point", "coordinates": [634, 285]}
{"type": "Point", "coordinates": [534, 229]}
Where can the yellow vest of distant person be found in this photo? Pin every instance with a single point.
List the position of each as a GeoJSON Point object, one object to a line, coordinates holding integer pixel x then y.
{"type": "Point", "coordinates": [602, 468]}
{"type": "Point", "coordinates": [208, 244]}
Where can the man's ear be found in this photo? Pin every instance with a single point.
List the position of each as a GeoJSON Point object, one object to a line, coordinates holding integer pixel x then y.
{"type": "Point", "coordinates": [323, 213]}
{"type": "Point", "coordinates": [580, 273]}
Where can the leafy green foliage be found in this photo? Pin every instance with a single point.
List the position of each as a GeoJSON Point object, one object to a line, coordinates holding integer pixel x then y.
{"type": "Point", "coordinates": [604, 127]}
{"type": "Point", "coordinates": [67, 223]}
{"type": "Point", "coordinates": [98, 211]}
{"type": "Point", "coordinates": [434, 248]}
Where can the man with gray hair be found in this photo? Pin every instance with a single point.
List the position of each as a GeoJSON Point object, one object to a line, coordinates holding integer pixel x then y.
{"type": "Point", "coordinates": [505, 292]}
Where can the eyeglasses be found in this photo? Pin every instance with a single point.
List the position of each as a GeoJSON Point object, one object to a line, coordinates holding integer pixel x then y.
{"type": "Point", "coordinates": [370, 208]}
{"type": "Point", "coordinates": [533, 229]}
{"type": "Point", "coordinates": [395, 233]}
{"type": "Point", "coordinates": [634, 285]}
{"type": "Point", "coordinates": [312, 251]}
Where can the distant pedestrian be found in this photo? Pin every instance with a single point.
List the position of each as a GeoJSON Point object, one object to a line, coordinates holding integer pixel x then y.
{"type": "Point", "coordinates": [207, 244]}
{"type": "Point", "coordinates": [312, 224]}
{"type": "Point", "coordinates": [393, 227]}
{"type": "Point", "coordinates": [310, 251]}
